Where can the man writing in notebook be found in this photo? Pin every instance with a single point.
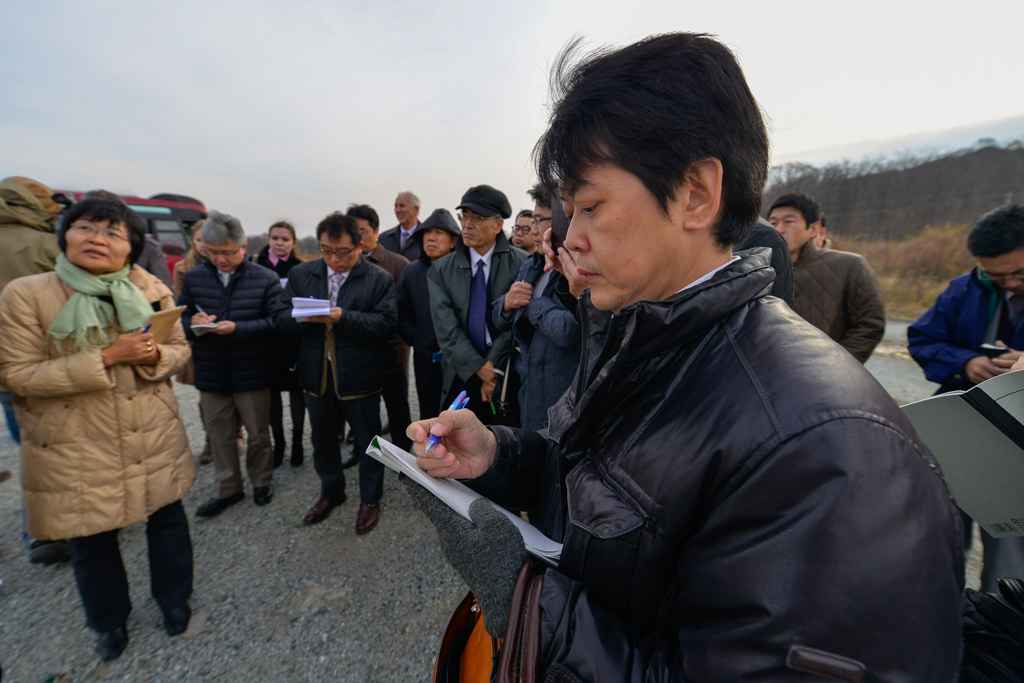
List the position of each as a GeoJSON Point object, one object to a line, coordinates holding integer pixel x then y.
{"type": "Point", "coordinates": [985, 306]}
{"type": "Point", "coordinates": [737, 497]}
{"type": "Point", "coordinates": [340, 360]}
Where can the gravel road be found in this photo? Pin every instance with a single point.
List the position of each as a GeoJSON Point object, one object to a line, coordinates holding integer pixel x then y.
{"type": "Point", "coordinates": [273, 600]}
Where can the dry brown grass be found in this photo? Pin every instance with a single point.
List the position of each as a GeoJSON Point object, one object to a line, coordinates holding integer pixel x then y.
{"type": "Point", "coordinates": [914, 271]}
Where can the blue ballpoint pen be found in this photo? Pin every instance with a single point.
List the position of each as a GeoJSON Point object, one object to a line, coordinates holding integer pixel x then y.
{"type": "Point", "coordinates": [458, 404]}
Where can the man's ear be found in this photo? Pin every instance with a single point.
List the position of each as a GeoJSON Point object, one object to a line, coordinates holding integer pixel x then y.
{"type": "Point", "coordinates": [700, 196]}
{"type": "Point", "coordinates": [814, 228]}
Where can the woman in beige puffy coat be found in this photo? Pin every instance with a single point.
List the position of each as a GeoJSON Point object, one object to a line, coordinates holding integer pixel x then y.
{"type": "Point", "coordinates": [103, 445]}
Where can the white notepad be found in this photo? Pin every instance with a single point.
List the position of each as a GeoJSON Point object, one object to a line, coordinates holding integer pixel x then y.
{"type": "Point", "coordinates": [459, 497]}
{"type": "Point", "coordinates": [307, 308]}
{"type": "Point", "coordinates": [978, 437]}
{"type": "Point", "coordinates": [200, 330]}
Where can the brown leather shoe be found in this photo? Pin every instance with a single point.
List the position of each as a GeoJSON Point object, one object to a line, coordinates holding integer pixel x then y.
{"type": "Point", "coordinates": [206, 457]}
{"type": "Point", "coordinates": [367, 517]}
{"type": "Point", "coordinates": [5, 475]}
{"type": "Point", "coordinates": [322, 509]}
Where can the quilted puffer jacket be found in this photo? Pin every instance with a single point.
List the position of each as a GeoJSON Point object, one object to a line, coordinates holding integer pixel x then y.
{"type": "Point", "coordinates": [838, 293]}
{"type": "Point", "coordinates": [241, 361]}
{"type": "Point", "coordinates": [101, 448]}
{"type": "Point", "coordinates": [736, 491]}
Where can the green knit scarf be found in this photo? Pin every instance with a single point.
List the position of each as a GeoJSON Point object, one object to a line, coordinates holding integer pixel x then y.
{"type": "Point", "coordinates": [86, 322]}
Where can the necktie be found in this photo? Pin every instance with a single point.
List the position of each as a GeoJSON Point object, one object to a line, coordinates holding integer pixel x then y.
{"type": "Point", "coordinates": [478, 310]}
{"type": "Point", "coordinates": [1016, 310]}
{"type": "Point", "coordinates": [335, 285]}
{"type": "Point", "coordinates": [404, 238]}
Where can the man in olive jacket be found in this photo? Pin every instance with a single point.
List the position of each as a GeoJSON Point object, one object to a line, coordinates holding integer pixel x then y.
{"type": "Point", "coordinates": [463, 285]}
{"type": "Point", "coordinates": [835, 291]}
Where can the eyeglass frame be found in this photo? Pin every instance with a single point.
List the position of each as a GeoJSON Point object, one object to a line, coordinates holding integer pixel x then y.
{"type": "Point", "coordinates": [108, 232]}
{"type": "Point", "coordinates": [341, 253]}
{"type": "Point", "coordinates": [525, 229]}
{"type": "Point", "coordinates": [473, 219]}
{"type": "Point", "coordinates": [1003, 277]}
{"type": "Point", "coordinates": [537, 221]}
{"type": "Point", "coordinates": [221, 252]}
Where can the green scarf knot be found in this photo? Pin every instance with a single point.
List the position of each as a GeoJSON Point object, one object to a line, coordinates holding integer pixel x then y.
{"type": "Point", "coordinates": [86, 322]}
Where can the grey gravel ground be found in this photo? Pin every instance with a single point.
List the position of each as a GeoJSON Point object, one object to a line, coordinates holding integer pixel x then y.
{"type": "Point", "coordinates": [273, 600]}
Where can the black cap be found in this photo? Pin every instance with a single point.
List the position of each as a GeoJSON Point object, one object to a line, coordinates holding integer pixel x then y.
{"type": "Point", "coordinates": [486, 201]}
{"type": "Point", "coordinates": [441, 219]}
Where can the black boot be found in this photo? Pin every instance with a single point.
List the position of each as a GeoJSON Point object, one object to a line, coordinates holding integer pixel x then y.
{"type": "Point", "coordinates": [297, 451]}
{"type": "Point", "coordinates": [111, 644]}
{"type": "Point", "coordinates": [278, 451]}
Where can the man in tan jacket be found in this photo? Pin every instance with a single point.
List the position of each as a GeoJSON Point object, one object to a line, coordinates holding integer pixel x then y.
{"type": "Point", "coordinates": [835, 291]}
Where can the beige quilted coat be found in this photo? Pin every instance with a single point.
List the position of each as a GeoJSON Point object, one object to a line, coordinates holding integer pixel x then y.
{"type": "Point", "coordinates": [101, 448]}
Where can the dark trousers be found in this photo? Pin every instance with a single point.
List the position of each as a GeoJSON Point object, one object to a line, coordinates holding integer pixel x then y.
{"type": "Point", "coordinates": [491, 413]}
{"type": "Point", "coordinates": [326, 414]}
{"type": "Point", "coordinates": [103, 583]}
{"type": "Point", "coordinates": [429, 384]}
{"type": "Point", "coordinates": [296, 406]}
{"type": "Point", "coordinates": [396, 399]}
{"type": "Point", "coordinates": [1003, 557]}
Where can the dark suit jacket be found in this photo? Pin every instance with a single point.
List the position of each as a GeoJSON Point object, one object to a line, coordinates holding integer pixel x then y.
{"type": "Point", "coordinates": [393, 237]}
{"type": "Point", "coordinates": [398, 360]}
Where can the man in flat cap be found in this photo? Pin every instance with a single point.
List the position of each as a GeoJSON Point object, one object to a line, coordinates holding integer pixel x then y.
{"type": "Point", "coordinates": [463, 285]}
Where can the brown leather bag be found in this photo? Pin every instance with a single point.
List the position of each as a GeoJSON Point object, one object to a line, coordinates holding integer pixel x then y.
{"type": "Point", "coordinates": [467, 652]}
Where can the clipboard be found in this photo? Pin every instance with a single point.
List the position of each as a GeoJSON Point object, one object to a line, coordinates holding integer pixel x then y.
{"type": "Point", "coordinates": [162, 322]}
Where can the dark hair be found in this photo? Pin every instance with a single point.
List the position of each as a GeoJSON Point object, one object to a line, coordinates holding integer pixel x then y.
{"type": "Point", "coordinates": [805, 204]}
{"type": "Point", "coordinates": [524, 212]}
{"type": "Point", "coordinates": [366, 212]}
{"type": "Point", "coordinates": [653, 109]}
{"type": "Point", "coordinates": [540, 195]}
{"type": "Point", "coordinates": [104, 208]}
{"type": "Point", "coordinates": [998, 232]}
{"type": "Point", "coordinates": [336, 225]}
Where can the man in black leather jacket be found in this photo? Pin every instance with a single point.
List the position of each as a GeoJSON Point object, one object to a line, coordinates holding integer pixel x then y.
{"type": "Point", "coordinates": [738, 499]}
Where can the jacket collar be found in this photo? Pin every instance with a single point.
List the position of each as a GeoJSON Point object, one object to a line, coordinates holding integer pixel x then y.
{"type": "Point", "coordinates": [378, 255]}
{"type": "Point", "coordinates": [358, 270]}
{"type": "Point", "coordinates": [809, 252]}
{"type": "Point", "coordinates": [646, 329]}
{"type": "Point", "coordinates": [501, 245]}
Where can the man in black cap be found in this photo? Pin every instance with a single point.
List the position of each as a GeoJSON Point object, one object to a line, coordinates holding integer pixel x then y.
{"type": "Point", "coordinates": [463, 286]}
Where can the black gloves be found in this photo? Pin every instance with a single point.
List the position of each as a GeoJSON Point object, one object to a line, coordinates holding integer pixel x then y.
{"type": "Point", "coordinates": [487, 552]}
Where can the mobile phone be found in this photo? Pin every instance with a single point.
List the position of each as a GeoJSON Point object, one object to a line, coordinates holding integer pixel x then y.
{"type": "Point", "coordinates": [993, 351]}
{"type": "Point", "coordinates": [559, 223]}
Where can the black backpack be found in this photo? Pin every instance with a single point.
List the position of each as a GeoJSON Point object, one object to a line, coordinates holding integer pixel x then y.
{"type": "Point", "coordinates": [994, 634]}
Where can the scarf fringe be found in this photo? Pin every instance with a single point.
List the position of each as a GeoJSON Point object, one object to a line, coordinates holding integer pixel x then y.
{"type": "Point", "coordinates": [79, 340]}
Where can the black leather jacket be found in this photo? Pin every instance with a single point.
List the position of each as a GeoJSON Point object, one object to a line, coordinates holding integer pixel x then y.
{"type": "Point", "coordinates": [733, 484]}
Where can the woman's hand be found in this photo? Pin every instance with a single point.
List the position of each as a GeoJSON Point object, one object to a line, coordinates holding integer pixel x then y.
{"type": "Point", "coordinates": [136, 348]}
{"type": "Point", "coordinates": [467, 448]}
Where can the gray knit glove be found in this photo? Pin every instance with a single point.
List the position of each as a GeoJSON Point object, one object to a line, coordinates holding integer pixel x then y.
{"type": "Point", "coordinates": [487, 552]}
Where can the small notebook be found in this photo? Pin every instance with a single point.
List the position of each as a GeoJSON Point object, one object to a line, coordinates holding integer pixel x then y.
{"type": "Point", "coordinates": [200, 330]}
{"type": "Point", "coordinates": [459, 497]}
{"type": "Point", "coordinates": [307, 308]}
{"type": "Point", "coordinates": [978, 438]}
{"type": "Point", "coordinates": [162, 322]}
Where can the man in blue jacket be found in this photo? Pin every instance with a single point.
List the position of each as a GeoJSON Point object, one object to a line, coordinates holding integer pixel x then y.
{"type": "Point", "coordinates": [985, 306]}
{"type": "Point", "coordinates": [546, 333]}
{"type": "Point", "coordinates": [233, 369]}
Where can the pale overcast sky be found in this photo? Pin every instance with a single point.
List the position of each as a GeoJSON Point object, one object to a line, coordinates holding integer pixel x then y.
{"type": "Point", "coordinates": [270, 110]}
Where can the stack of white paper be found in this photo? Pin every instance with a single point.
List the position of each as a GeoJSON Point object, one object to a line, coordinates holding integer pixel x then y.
{"type": "Point", "coordinates": [307, 308]}
{"type": "Point", "coordinates": [459, 497]}
{"type": "Point", "coordinates": [200, 330]}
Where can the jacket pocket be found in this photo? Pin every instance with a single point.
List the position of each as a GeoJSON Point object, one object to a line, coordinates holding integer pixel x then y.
{"type": "Point", "coordinates": [166, 396]}
{"type": "Point", "coordinates": [602, 539]}
{"type": "Point", "coordinates": [596, 507]}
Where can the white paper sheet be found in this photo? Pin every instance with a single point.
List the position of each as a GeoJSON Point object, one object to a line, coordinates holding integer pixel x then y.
{"type": "Point", "coordinates": [303, 307]}
{"type": "Point", "coordinates": [459, 497]}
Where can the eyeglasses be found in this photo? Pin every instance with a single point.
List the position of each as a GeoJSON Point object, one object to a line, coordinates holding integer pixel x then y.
{"type": "Point", "coordinates": [521, 228]}
{"type": "Point", "coordinates": [537, 221]}
{"type": "Point", "coordinates": [1003, 277]}
{"type": "Point", "coordinates": [112, 234]}
{"type": "Point", "coordinates": [221, 252]}
{"type": "Point", "coordinates": [327, 251]}
{"type": "Point", "coordinates": [473, 218]}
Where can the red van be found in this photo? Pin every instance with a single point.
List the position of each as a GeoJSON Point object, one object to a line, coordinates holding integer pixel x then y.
{"type": "Point", "coordinates": [168, 217]}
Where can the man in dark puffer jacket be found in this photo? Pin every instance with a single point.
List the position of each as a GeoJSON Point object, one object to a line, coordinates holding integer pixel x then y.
{"type": "Point", "coordinates": [737, 498]}
{"type": "Point", "coordinates": [233, 360]}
